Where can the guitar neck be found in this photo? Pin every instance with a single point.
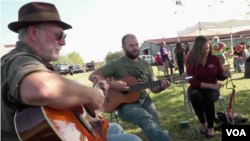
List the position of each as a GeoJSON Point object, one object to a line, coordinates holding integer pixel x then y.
{"type": "Point", "coordinates": [143, 86]}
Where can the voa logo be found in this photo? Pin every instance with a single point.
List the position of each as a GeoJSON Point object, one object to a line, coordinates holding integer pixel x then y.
{"type": "Point", "coordinates": [236, 132]}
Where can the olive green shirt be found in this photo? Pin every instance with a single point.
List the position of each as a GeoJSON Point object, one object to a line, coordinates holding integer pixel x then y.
{"type": "Point", "coordinates": [15, 65]}
{"type": "Point", "coordinates": [122, 67]}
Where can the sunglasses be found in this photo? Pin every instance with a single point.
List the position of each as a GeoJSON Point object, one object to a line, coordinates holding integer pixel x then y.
{"type": "Point", "coordinates": [59, 36]}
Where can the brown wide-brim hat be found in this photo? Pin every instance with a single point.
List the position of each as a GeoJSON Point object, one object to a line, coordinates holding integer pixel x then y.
{"type": "Point", "coordinates": [35, 13]}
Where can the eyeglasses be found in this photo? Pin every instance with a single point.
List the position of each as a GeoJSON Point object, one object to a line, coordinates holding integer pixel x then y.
{"type": "Point", "coordinates": [59, 36]}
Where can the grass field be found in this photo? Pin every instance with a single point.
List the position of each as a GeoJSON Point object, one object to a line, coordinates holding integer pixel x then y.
{"type": "Point", "coordinates": [170, 107]}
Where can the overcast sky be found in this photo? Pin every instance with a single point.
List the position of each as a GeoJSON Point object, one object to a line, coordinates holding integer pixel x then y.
{"type": "Point", "coordinates": [99, 25]}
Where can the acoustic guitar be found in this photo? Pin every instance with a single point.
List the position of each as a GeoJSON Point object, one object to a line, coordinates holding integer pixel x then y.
{"type": "Point", "coordinates": [114, 97]}
{"type": "Point", "coordinates": [33, 123]}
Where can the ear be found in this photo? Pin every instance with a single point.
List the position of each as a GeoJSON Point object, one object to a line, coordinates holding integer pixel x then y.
{"type": "Point", "coordinates": [123, 47]}
{"type": "Point", "coordinates": [32, 33]}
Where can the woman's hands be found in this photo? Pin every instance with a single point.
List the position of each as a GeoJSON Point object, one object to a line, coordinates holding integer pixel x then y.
{"type": "Point", "coordinates": [217, 86]}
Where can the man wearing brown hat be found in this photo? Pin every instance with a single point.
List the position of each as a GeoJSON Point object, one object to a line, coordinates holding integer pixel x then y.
{"type": "Point", "coordinates": [29, 79]}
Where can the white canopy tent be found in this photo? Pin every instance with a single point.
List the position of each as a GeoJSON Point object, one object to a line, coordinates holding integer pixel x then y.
{"type": "Point", "coordinates": [2, 50]}
{"type": "Point", "coordinates": [216, 28]}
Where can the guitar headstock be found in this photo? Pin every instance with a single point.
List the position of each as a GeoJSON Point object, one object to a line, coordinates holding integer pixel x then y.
{"type": "Point", "coordinates": [95, 84]}
{"type": "Point", "coordinates": [184, 78]}
{"type": "Point", "coordinates": [95, 76]}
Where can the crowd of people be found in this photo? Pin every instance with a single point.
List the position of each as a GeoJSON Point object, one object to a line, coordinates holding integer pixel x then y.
{"type": "Point", "coordinates": [177, 59]}
{"type": "Point", "coordinates": [172, 61]}
{"type": "Point", "coordinates": [28, 78]}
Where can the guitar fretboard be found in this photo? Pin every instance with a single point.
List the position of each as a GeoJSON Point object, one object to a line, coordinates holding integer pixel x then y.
{"type": "Point", "coordinates": [142, 86]}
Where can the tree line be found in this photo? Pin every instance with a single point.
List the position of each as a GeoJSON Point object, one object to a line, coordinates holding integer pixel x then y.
{"type": "Point", "coordinates": [74, 58]}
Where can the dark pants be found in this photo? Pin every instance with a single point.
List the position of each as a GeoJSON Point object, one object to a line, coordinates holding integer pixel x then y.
{"type": "Point", "coordinates": [203, 102]}
{"type": "Point", "coordinates": [181, 66]}
{"type": "Point", "coordinates": [171, 66]}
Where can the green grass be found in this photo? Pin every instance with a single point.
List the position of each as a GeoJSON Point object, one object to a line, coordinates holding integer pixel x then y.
{"type": "Point", "coordinates": [170, 107]}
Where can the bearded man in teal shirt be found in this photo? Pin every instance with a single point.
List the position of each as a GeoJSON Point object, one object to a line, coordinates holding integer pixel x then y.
{"type": "Point", "coordinates": [143, 112]}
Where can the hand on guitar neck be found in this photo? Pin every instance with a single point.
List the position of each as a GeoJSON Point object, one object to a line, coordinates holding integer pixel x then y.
{"type": "Point", "coordinates": [101, 84]}
{"type": "Point", "coordinates": [165, 83]}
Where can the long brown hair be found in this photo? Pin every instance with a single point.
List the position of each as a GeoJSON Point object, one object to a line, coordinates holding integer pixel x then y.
{"type": "Point", "coordinates": [196, 54]}
{"type": "Point", "coordinates": [178, 48]}
{"type": "Point", "coordinates": [187, 46]}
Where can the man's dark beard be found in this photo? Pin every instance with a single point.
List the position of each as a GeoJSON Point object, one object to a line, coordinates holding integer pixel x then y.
{"type": "Point", "coordinates": [130, 55]}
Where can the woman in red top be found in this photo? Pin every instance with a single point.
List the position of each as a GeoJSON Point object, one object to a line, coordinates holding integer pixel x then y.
{"type": "Point", "coordinates": [206, 69]}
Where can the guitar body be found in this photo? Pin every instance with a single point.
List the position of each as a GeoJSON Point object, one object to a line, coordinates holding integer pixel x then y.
{"type": "Point", "coordinates": [35, 123]}
{"type": "Point", "coordinates": [116, 97]}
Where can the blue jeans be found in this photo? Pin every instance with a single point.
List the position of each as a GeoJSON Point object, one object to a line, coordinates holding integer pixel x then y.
{"type": "Point", "coordinates": [238, 62]}
{"type": "Point", "coordinates": [115, 133]}
{"type": "Point", "coordinates": [171, 66]}
{"type": "Point", "coordinates": [145, 116]}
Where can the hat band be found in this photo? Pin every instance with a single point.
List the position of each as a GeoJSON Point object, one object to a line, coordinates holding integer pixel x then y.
{"type": "Point", "coordinates": [41, 16]}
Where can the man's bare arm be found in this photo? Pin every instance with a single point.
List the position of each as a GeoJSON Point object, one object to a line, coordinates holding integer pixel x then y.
{"type": "Point", "coordinates": [48, 89]}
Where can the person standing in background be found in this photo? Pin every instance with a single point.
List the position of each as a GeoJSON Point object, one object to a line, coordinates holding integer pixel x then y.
{"type": "Point", "coordinates": [164, 58]}
{"type": "Point", "coordinates": [187, 49]}
{"type": "Point", "coordinates": [179, 53]}
{"type": "Point", "coordinates": [218, 49]}
{"type": "Point", "coordinates": [170, 63]}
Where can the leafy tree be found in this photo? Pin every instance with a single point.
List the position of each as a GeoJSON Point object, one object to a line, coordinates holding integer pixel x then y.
{"type": "Point", "coordinates": [112, 56]}
{"type": "Point", "coordinates": [75, 58]}
{"type": "Point", "coordinates": [181, 3]}
{"type": "Point", "coordinates": [178, 2]}
{"type": "Point", "coordinates": [71, 58]}
{"type": "Point", "coordinates": [62, 59]}
{"type": "Point", "coordinates": [92, 61]}
{"type": "Point", "coordinates": [100, 64]}
{"type": "Point", "coordinates": [212, 3]}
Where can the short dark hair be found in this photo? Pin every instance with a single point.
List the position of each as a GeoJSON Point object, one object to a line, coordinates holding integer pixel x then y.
{"type": "Point", "coordinates": [125, 37]}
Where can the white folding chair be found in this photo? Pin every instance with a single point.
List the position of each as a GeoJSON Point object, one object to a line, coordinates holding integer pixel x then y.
{"type": "Point", "coordinates": [183, 80]}
{"type": "Point", "coordinates": [187, 101]}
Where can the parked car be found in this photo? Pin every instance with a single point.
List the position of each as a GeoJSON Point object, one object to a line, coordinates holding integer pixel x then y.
{"type": "Point", "coordinates": [63, 68]}
{"type": "Point", "coordinates": [149, 58]}
{"type": "Point", "coordinates": [89, 66]}
{"type": "Point", "coordinates": [77, 68]}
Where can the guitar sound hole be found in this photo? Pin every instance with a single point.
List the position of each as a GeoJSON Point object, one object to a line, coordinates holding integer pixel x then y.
{"type": "Point", "coordinates": [124, 92]}
{"type": "Point", "coordinates": [89, 111]}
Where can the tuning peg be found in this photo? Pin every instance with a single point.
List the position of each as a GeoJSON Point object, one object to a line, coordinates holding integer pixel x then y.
{"type": "Point", "coordinates": [95, 76]}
